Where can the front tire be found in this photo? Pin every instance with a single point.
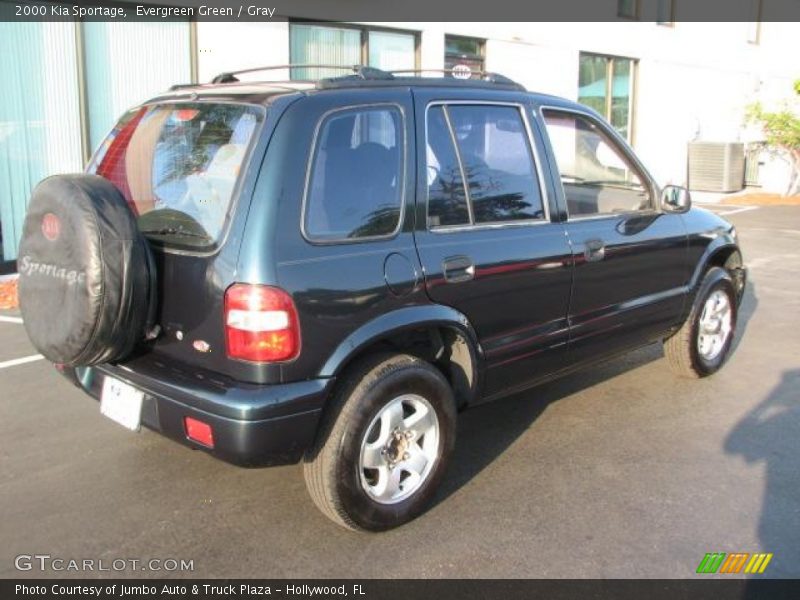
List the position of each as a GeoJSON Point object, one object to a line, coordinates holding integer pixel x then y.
{"type": "Point", "coordinates": [384, 446]}
{"type": "Point", "coordinates": [701, 346]}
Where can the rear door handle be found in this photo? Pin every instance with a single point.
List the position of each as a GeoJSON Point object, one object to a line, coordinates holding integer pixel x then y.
{"type": "Point", "coordinates": [458, 268]}
{"type": "Point", "coordinates": [595, 250]}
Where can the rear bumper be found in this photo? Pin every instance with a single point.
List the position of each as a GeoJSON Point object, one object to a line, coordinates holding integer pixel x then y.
{"type": "Point", "coordinates": [253, 425]}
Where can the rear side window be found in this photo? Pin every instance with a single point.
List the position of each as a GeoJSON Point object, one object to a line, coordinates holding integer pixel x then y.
{"type": "Point", "coordinates": [355, 184]}
{"type": "Point", "coordinates": [492, 153]}
{"type": "Point", "coordinates": [178, 166]}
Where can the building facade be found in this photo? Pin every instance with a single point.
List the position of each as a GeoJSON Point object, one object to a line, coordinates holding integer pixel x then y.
{"type": "Point", "coordinates": [661, 84]}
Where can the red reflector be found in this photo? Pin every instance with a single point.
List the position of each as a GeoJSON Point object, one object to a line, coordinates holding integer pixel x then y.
{"type": "Point", "coordinates": [261, 324]}
{"type": "Point", "coordinates": [199, 432]}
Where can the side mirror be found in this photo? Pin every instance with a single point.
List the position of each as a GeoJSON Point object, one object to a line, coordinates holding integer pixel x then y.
{"type": "Point", "coordinates": [676, 199]}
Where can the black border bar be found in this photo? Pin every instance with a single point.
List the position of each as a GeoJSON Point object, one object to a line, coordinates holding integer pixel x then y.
{"type": "Point", "coordinates": [408, 10]}
{"type": "Point", "coordinates": [405, 589]}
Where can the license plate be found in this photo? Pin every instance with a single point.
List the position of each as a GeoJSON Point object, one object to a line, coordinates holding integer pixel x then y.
{"type": "Point", "coordinates": [122, 403]}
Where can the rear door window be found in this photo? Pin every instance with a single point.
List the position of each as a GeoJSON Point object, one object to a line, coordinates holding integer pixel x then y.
{"type": "Point", "coordinates": [355, 184]}
{"type": "Point", "coordinates": [480, 166]}
{"type": "Point", "coordinates": [178, 165]}
{"type": "Point", "coordinates": [497, 163]}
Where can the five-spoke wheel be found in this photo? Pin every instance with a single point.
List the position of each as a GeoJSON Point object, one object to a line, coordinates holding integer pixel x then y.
{"type": "Point", "coordinates": [701, 345]}
{"type": "Point", "coordinates": [384, 443]}
{"type": "Point", "coordinates": [716, 324]}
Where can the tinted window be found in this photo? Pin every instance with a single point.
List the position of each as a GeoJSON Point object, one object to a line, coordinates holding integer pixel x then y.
{"type": "Point", "coordinates": [356, 179]}
{"type": "Point", "coordinates": [178, 166]}
{"type": "Point", "coordinates": [597, 176]}
{"type": "Point", "coordinates": [447, 200]}
{"type": "Point", "coordinates": [497, 161]}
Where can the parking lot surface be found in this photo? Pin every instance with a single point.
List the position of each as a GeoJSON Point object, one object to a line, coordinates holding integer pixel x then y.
{"type": "Point", "coordinates": [620, 471]}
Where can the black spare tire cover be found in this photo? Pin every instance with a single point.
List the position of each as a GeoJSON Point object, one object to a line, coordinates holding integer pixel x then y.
{"type": "Point", "coordinates": [86, 276]}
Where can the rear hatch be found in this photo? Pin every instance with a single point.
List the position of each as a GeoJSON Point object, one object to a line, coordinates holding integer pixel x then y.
{"type": "Point", "coordinates": [181, 167]}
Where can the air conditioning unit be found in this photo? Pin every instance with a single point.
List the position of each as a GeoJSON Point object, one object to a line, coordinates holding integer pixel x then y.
{"type": "Point", "coordinates": [716, 166]}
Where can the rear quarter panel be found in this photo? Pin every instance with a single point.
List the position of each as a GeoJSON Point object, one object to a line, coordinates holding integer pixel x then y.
{"type": "Point", "coordinates": [337, 287]}
{"type": "Point", "coordinates": [192, 285]}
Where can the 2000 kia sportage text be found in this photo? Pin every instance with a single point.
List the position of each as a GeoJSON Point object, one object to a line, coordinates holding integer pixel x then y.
{"type": "Point", "coordinates": [328, 271]}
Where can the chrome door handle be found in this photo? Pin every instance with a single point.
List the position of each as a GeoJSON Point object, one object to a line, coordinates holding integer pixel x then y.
{"type": "Point", "coordinates": [458, 268]}
{"type": "Point", "coordinates": [595, 250]}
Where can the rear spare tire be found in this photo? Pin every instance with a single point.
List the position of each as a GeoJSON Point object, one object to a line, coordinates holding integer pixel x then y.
{"type": "Point", "coordinates": [86, 275]}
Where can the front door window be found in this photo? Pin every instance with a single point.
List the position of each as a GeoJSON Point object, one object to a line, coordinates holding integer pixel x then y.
{"type": "Point", "coordinates": [597, 176]}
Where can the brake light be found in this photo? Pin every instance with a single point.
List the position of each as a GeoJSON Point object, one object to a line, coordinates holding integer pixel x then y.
{"type": "Point", "coordinates": [261, 324]}
{"type": "Point", "coordinates": [112, 165]}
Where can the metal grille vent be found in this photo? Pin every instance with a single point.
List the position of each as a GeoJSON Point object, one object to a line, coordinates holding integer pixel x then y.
{"type": "Point", "coordinates": [716, 167]}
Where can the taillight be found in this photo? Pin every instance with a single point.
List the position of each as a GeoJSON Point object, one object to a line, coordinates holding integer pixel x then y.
{"type": "Point", "coordinates": [260, 323]}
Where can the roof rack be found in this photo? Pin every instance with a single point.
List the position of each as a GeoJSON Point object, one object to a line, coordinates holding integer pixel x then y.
{"type": "Point", "coordinates": [360, 72]}
{"type": "Point", "coordinates": [488, 76]}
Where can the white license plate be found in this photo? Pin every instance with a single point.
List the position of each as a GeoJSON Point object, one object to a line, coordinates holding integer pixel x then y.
{"type": "Point", "coordinates": [122, 403]}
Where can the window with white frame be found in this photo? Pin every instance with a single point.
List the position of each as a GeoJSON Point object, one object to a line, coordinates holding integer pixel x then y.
{"type": "Point", "coordinates": [606, 84]}
{"type": "Point", "coordinates": [346, 46]}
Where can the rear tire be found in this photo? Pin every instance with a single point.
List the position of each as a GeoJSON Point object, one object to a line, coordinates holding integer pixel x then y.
{"type": "Point", "coordinates": [384, 446]}
{"type": "Point", "coordinates": [702, 344]}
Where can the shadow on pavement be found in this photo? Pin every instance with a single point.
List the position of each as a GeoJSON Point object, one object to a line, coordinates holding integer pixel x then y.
{"type": "Point", "coordinates": [770, 433]}
{"type": "Point", "coordinates": [746, 311]}
{"type": "Point", "coordinates": [485, 432]}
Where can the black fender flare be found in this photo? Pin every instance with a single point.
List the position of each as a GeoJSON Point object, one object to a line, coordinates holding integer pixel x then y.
{"type": "Point", "coordinates": [406, 318]}
{"type": "Point", "coordinates": [723, 242]}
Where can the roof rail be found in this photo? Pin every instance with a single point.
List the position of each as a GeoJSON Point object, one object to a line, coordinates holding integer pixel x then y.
{"type": "Point", "coordinates": [359, 71]}
{"type": "Point", "coordinates": [487, 76]}
{"type": "Point", "coordinates": [180, 86]}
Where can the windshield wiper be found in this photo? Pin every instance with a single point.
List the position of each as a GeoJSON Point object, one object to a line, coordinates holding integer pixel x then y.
{"type": "Point", "coordinates": [179, 231]}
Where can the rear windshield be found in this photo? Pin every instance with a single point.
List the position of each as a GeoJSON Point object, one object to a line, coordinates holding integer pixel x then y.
{"type": "Point", "coordinates": [178, 165]}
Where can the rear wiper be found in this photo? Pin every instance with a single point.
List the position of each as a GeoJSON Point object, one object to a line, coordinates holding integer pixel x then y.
{"type": "Point", "coordinates": [180, 231]}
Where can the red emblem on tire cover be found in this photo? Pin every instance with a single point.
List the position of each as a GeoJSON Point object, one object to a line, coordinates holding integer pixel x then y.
{"type": "Point", "coordinates": [51, 227]}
